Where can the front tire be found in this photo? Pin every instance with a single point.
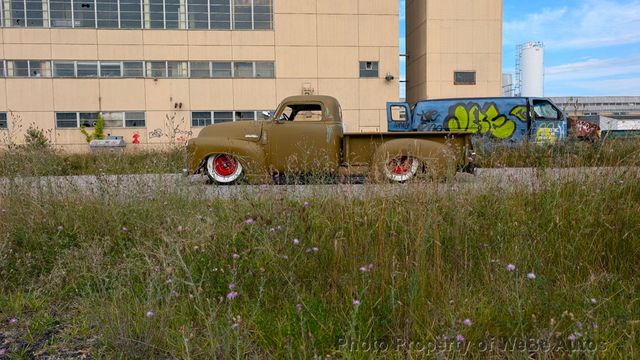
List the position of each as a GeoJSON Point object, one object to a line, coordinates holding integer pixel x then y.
{"type": "Point", "coordinates": [224, 169]}
{"type": "Point", "coordinates": [401, 169]}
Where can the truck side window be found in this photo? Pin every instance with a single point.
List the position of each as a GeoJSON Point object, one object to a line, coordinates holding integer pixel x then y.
{"type": "Point", "coordinates": [302, 113]}
{"type": "Point", "coordinates": [543, 109]}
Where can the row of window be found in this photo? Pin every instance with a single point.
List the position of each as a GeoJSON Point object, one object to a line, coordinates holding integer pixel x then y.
{"type": "Point", "coordinates": [136, 119]}
{"type": "Point", "coordinates": [137, 14]}
{"type": "Point", "coordinates": [3, 120]}
{"type": "Point", "coordinates": [153, 69]}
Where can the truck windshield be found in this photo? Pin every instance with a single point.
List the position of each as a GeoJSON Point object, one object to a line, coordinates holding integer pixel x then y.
{"type": "Point", "coordinates": [302, 112]}
{"type": "Point", "coordinates": [543, 109]}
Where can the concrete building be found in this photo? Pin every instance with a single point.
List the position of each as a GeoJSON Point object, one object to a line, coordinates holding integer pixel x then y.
{"type": "Point", "coordinates": [160, 70]}
{"type": "Point", "coordinates": [590, 107]}
{"type": "Point", "coordinates": [454, 48]}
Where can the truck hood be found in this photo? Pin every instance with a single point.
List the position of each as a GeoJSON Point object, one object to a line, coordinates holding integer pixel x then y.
{"type": "Point", "coordinates": [241, 130]}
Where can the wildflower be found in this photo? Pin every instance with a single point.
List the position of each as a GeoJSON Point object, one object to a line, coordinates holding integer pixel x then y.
{"type": "Point", "coordinates": [249, 221]}
{"type": "Point", "coordinates": [315, 249]}
{"type": "Point", "coordinates": [531, 276]}
{"type": "Point", "coordinates": [232, 295]}
{"type": "Point", "coordinates": [299, 307]}
{"type": "Point", "coordinates": [272, 230]}
{"type": "Point", "coordinates": [460, 338]}
{"type": "Point", "coordinates": [60, 228]}
{"type": "Point", "coordinates": [578, 334]}
{"type": "Point", "coordinates": [579, 325]}
{"type": "Point", "coordinates": [180, 228]}
{"type": "Point", "coordinates": [296, 242]}
{"type": "Point", "coordinates": [263, 186]}
{"type": "Point", "coordinates": [594, 325]}
{"type": "Point", "coordinates": [363, 269]}
{"type": "Point", "coordinates": [149, 314]}
{"type": "Point", "coordinates": [235, 325]}
{"type": "Point", "coordinates": [13, 321]}
{"type": "Point", "coordinates": [370, 267]}
{"type": "Point", "coordinates": [356, 302]}
{"type": "Point", "coordinates": [571, 338]}
{"type": "Point", "coordinates": [3, 351]}
{"type": "Point", "coordinates": [232, 286]}
{"type": "Point", "coordinates": [235, 256]}
{"type": "Point", "coordinates": [594, 301]}
{"type": "Point", "coordinates": [451, 302]}
{"type": "Point", "coordinates": [306, 204]}
{"type": "Point", "coordinates": [156, 269]}
{"type": "Point", "coordinates": [125, 229]}
{"type": "Point", "coordinates": [511, 268]}
{"type": "Point", "coordinates": [174, 293]}
{"type": "Point", "coordinates": [467, 322]}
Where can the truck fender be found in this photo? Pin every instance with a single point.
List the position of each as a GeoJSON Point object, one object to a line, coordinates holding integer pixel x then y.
{"type": "Point", "coordinates": [250, 155]}
{"type": "Point", "coordinates": [437, 159]}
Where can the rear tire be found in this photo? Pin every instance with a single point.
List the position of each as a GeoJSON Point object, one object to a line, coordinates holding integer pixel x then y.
{"type": "Point", "coordinates": [224, 169]}
{"type": "Point", "coordinates": [401, 168]}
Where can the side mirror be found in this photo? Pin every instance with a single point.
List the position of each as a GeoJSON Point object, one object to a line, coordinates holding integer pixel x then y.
{"type": "Point", "coordinates": [266, 114]}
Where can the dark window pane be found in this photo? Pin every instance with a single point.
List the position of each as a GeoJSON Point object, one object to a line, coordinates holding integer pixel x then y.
{"type": "Point", "coordinates": [220, 14]}
{"type": "Point", "coordinates": [171, 13]}
{"type": "Point", "coordinates": [37, 69]}
{"type": "Point", "coordinates": [60, 12]}
{"type": "Point", "coordinates": [222, 117]}
{"type": "Point", "coordinates": [464, 78]}
{"type": "Point", "coordinates": [221, 69]}
{"type": "Point", "coordinates": [158, 69]}
{"type": "Point", "coordinates": [17, 13]}
{"type": "Point", "coordinates": [21, 68]}
{"type": "Point", "coordinates": [242, 14]}
{"type": "Point", "coordinates": [63, 69]}
{"type": "Point", "coordinates": [264, 69]}
{"type": "Point", "coordinates": [84, 14]}
{"type": "Point", "coordinates": [88, 69]}
{"type": "Point", "coordinates": [368, 69]}
{"type": "Point", "coordinates": [66, 120]}
{"type": "Point", "coordinates": [245, 115]}
{"type": "Point", "coordinates": [176, 68]}
{"type": "Point", "coordinates": [134, 119]}
{"type": "Point", "coordinates": [198, 14]}
{"type": "Point", "coordinates": [133, 69]}
{"type": "Point", "coordinates": [34, 13]}
{"type": "Point", "coordinates": [3, 120]}
{"type": "Point", "coordinates": [110, 69]}
{"type": "Point", "coordinates": [243, 69]}
{"type": "Point", "coordinates": [156, 13]}
{"type": "Point", "coordinates": [199, 69]}
{"type": "Point", "coordinates": [2, 72]}
{"type": "Point", "coordinates": [130, 14]}
{"type": "Point", "coordinates": [107, 13]}
{"type": "Point", "coordinates": [88, 119]}
{"type": "Point", "coordinates": [113, 119]}
{"type": "Point", "coordinates": [200, 118]}
{"type": "Point", "coordinates": [262, 14]}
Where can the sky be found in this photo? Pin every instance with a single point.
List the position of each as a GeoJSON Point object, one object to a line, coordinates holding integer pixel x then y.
{"type": "Point", "coordinates": [592, 47]}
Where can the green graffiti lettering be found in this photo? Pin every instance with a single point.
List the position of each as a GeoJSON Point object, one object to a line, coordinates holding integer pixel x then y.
{"type": "Point", "coordinates": [520, 112]}
{"type": "Point", "coordinates": [471, 118]}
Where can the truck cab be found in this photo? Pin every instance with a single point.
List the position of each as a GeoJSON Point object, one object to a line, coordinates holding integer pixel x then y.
{"type": "Point", "coordinates": [508, 118]}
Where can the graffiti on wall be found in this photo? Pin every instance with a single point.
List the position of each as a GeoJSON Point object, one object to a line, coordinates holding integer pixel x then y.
{"type": "Point", "coordinates": [429, 121]}
{"type": "Point", "coordinates": [471, 117]}
{"type": "Point", "coordinates": [520, 112]}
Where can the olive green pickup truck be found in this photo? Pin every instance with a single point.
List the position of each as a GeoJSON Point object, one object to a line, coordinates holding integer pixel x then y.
{"type": "Point", "coordinates": [305, 135]}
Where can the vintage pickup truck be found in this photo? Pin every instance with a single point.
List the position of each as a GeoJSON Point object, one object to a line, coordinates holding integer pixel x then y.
{"type": "Point", "coordinates": [305, 135]}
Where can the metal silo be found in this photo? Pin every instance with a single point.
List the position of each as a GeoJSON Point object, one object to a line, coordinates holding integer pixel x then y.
{"type": "Point", "coordinates": [530, 69]}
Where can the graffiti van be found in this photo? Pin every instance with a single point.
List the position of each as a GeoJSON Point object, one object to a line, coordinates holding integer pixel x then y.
{"type": "Point", "coordinates": [508, 118]}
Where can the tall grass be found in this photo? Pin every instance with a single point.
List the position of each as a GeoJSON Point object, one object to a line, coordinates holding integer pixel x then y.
{"type": "Point", "coordinates": [163, 275]}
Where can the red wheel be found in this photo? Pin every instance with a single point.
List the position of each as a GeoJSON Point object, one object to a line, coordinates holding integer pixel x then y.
{"type": "Point", "coordinates": [223, 168]}
{"type": "Point", "coordinates": [402, 168]}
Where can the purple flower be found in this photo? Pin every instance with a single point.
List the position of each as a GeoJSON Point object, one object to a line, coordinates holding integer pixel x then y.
{"type": "Point", "coordinates": [467, 322]}
{"type": "Point", "coordinates": [579, 325]}
{"type": "Point", "coordinates": [511, 268]}
{"type": "Point", "coordinates": [149, 314]}
{"type": "Point", "coordinates": [3, 351]}
{"type": "Point", "coordinates": [296, 242]}
{"type": "Point", "coordinates": [571, 338]}
{"type": "Point", "coordinates": [578, 334]}
{"type": "Point", "coordinates": [235, 256]}
{"type": "Point", "coordinates": [460, 338]}
{"type": "Point", "coordinates": [13, 321]}
{"type": "Point", "coordinates": [531, 276]}
{"type": "Point", "coordinates": [232, 295]}
{"type": "Point", "coordinates": [356, 302]}
{"type": "Point", "coordinates": [370, 267]}
{"type": "Point", "coordinates": [249, 221]}
{"type": "Point", "coordinates": [299, 307]}
{"type": "Point", "coordinates": [306, 204]}
{"type": "Point", "coordinates": [232, 286]}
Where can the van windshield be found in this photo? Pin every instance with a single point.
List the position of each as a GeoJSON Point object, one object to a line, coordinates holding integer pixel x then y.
{"type": "Point", "coordinates": [545, 110]}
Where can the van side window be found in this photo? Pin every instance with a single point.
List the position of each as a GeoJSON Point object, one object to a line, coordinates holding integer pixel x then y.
{"type": "Point", "coordinates": [543, 109]}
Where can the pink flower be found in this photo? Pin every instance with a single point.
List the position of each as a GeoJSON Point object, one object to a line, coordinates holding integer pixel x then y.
{"type": "Point", "coordinates": [149, 314]}
{"type": "Point", "coordinates": [511, 268]}
{"type": "Point", "coordinates": [531, 276]}
{"type": "Point", "coordinates": [232, 286]}
{"type": "Point", "coordinates": [467, 322]}
{"type": "Point", "coordinates": [356, 302]}
{"type": "Point", "coordinates": [296, 242]}
{"type": "Point", "coordinates": [299, 307]}
{"type": "Point", "coordinates": [249, 221]}
{"type": "Point", "coordinates": [306, 204]}
{"type": "Point", "coordinates": [235, 325]}
{"type": "Point", "coordinates": [571, 338]}
{"type": "Point", "coordinates": [235, 256]}
{"type": "Point", "coordinates": [232, 295]}
{"type": "Point", "coordinates": [3, 351]}
{"type": "Point", "coordinates": [13, 321]}
{"type": "Point", "coordinates": [460, 338]}
{"type": "Point", "coordinates": [363, 269]}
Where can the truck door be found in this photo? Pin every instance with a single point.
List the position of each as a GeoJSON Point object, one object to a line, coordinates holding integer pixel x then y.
{"type": "Point", "coordinates": [398, 116]}
{"type": "Point", "coordinates": [548, 123]}
{"type": "Point", "coordinates": [300, 140]}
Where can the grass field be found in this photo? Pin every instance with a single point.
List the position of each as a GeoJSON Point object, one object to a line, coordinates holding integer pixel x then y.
{"type": "Point", "coordinates": [553, 272]}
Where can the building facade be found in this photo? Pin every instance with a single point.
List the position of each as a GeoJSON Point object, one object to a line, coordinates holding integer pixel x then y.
{"type": "Point", "coordinates": [454, 48]}
{"type": "Point", "coordinates": [590, 107]}
{"type": "Point", "coordinates": [158, 71]}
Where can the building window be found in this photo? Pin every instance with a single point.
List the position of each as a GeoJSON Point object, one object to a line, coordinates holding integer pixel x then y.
{"type": "Point", "coordinates": [134, 119]}
{"type": "Point", "coordinates": [87, 69]}
{"type": "Point", "coordinates": [67, 120]}
{"type": "Point", "coordinates": [110, 69]}
{"type": "Point", "coordinates": [245, 115]}
{"type": "Point", "coordinates": [3, 120]}
{"type": "Point", "coordinates": [199, 69]}
{"type": "Point", "coordinates": [262, 14]}
{"type": "Point", "coordinates": [201, 119]}
{"type": "Point", "coordinates": [107, 13]}
{"type": "Point", "coordinates": [84, 13]}
{"type": "Point", "coordinates": [368, 69]}
{"type": "Point", "coordinates": [162, 69]}
{"type": "Point", "coordinates": [132, 69]}
{"type": "Point", "coordinates": [2, 72]}
{"type": "Point", "coordinates": [243, 69]}
{"type": "Point", "coordinates": [26, 13]}
{"type": "Point", "coordinates": [265, 69]}
{"type": "Point", "coordinates": [221, 69]}
{"type": "Point", "coordinates": [464, 78]}
{"type": "Point", "coordinates": [164, 14]}
{"type": "Point", "coordinates": [64, 69]}
{"type": "Point", "coordinates": [115, 119]}
{"type": "Point", "coordinates": [29, 68]}
{"type": "Point", "coordinates": [205, 118]}
{"type": "Point", "coordinates": [242, 14]}
{"type": "Point", "coordinates": [198, 14]}
{"type": "Point", "coordinates": [220, 14]}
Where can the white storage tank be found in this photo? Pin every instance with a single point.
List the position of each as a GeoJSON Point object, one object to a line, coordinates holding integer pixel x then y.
{"type": "Point", "coordinates": [531, 56]}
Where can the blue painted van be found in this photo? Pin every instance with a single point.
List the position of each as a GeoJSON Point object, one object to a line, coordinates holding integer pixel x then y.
{"type": "Point", "coordinates": [503, 118]}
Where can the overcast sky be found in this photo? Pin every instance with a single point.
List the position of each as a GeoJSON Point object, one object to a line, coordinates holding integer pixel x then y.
{"type": "Point", "coordinates": [592, 47]}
